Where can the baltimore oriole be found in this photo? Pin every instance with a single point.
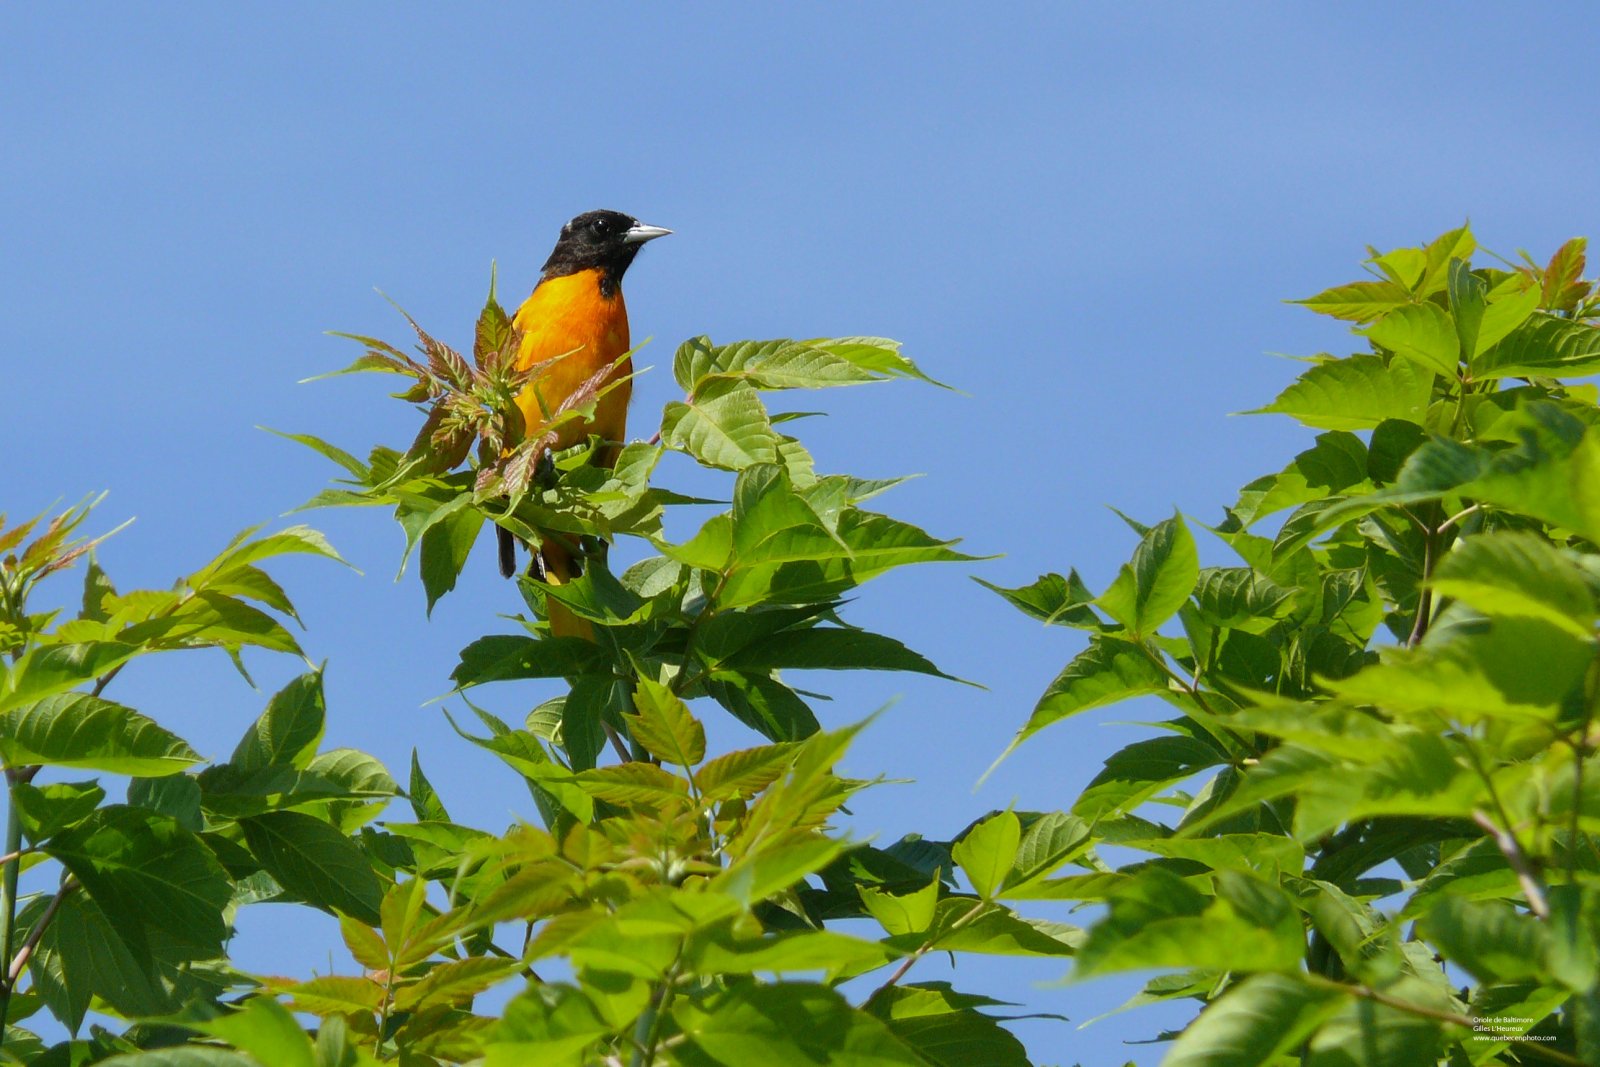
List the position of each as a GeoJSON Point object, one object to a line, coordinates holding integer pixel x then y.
{"type": "Point", "coordinates": [576, 313]}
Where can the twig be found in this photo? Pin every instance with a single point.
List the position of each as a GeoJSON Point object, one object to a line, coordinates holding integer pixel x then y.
{"type": "Point", "coordinates": [1529, 879]}
{"type": "Point", "coordinates": [928, 946]}
{"type": "Point", "coordinates": [1425, 597]}
{"type": "Point", "coordinates": [37, 933]}
{"type": "Point", "coordinates": [616, 742]}
{"type": "Point", "coordinates": [1368, 993]}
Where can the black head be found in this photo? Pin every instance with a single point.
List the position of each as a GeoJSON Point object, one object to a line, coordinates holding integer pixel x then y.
{"type": "Point", "coordinates": [600, 240]}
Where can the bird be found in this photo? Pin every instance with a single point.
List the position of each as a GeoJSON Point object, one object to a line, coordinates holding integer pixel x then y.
{"type": "Point", "coordinates": [576, 318]}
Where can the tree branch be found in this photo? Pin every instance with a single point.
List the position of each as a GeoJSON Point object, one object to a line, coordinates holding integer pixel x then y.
{"type": "Point", "coordinates": [34, 935]}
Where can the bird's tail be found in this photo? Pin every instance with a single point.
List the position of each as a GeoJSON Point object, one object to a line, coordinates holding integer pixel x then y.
{"type": "Point", "coordinates": [508, 552]}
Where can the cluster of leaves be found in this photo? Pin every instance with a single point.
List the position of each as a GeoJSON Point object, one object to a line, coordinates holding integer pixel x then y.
{"type": "Point", "coordinates": [687, 882]}
{"type": "Point", "coordinates": [1381, 778]}
{"type": "Point", "coordinates": [666, 882]}
{"type": "Point", "coordinates": [124, 909]}
{"type": "Point", "coordinates": [679, 901]}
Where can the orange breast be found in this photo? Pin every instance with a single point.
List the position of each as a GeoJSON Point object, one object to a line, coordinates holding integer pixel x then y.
{"type": "Point", "coordinates": [568, 317]}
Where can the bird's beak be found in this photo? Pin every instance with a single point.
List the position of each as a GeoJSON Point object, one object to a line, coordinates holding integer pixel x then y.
{"type": "Point", "coordinates": [639, 233]}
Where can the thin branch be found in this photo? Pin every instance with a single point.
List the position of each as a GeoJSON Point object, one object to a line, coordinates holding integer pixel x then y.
{"type": "Point", "coordinates": [616, 742]}
{"type": "Point", "coordinates": [1424, 597]}
{"type": "Point", "coordinates": [1523, 1044]}
{"type": "Point", "coordinates": [1458, 516]}
{"type": "Point", "coordinates": [928, 946]}
{"type": "Point", "coordinates": [34, 935]}
{"type": "Point", "coordinates": [1532, 888]}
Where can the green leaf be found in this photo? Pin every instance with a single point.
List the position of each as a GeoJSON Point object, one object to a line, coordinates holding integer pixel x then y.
{"type": "Point", "coordinates": [315, 862]}
{"type": "Point", "coordinates": [724, 426]}
{"type": "Point", "coordinates": [630, 784]}
{"type": "Point", "coordinates": [1358, 301]}
{"type": "Point", "coordinates": [719, 952]}
{"type": "Point", "coordinates": [764, 704]}
{"type": "Point", "coordinates": [1135, 773]}
{"type": "Point", "coordinates": [400, 913]}
{"type": "Point", "coordinates": [995, 930]}
{"type": "Point", "coordinates": [208, 619]}
{"type": "Point", "coordinates": [1154, 584]}
{"type": "Point", "coordinates": [51, 669]}
{"type": "Point", "coordinates": [1109, 670]}
{"type": "Point", "coordinates": [776, 549]}
{"type": "Point", "coordinates": [263, 1028]}
{"type": "Point", "coordinates": [1490, 939]}
{"type": "Point", "coordinates": [593, 699]}
{"type": "Point", "coordinates": [988, 851]}
{"type": "Point", "coordinates": [1237, 596]}
{"type": "Point", "coordinates": [1356, 394]}
{"type": "Point", "coordinates": [504, 658]}
{"type": "Point", "coordinates": [288, 732]}
{"type": "Point", "coordinates": [48, 809]}
{"type": "Point", "coordinates": [147, 872]}
{"type": "Point", "coordinates": [425, 803]}
{"type": "Point", "coordinates": [1521, 575]}
{"type": "Point", "coordinates": [789, 1025]}
{"type": "Point", "coordinates": [1510, 304]}
{"type": "Point", "coordinates": [449, 982]}
{"type": "Point", "coordinates": [1048, 842]}
{"type": "Point", "coordinates": [177, 795]}
{"type": "Point", "coordinates": [366, 945]}
{"type": "Point", "coordinates": [940, 1025]}
{"type": "Point", "coordinates": [1422, 333]}
{"type": "Point", "coordinates": [445, 547]}
{"type": "Point", "coordinates": [665, 727]}
{"type": "Point", "coordinates": [1257, 1021]}
{"type": "Point", "coordinates": [82, 954]}
{"type": "Point", "coordinates": [333, 452]}
{"type": "Point", "coordinates": [362, 778]}
{"type": "Point", "coordinates": [334, 994]}
{"type": "Point", "coordinates": [1515, 668]}
{"type": "Point", "coordinates": [180, 1056]}
{"type": "Point", "coordinates": [547, 1024]}
{"type": "Point", "coordinates": [785, 364]}
{"type": "Point", "coordinates": [1159, 920]}
{"type": "Point", "coordinates": [292, 540]}
{"type": "Point", "coordinates": [831, 649]}
{"type": "Point", "coordinates": [1050, 598]}
{"type": "Point", "coordinates": [902, 913]}
{"type": "Point", "coordinates": [762, 874]}
{"type": "Point", "coordinates": [79, 730]}
{"type": "Point", "coordinates": [1338, 462]}
{"type": "Point", "coordinates": [1363, 1033]}
{"type": "Point", "coordinates": [1468, 302]}
{"type": "Point", "coordinates": [766, 364]}
{"type": "Point", "coordinates": [1543, 345]}
{"type": "Point", "coordinates": [744, 772]}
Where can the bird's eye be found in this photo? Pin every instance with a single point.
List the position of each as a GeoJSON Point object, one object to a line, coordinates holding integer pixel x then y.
{"type": "Point", "coordinates": [599, 226]}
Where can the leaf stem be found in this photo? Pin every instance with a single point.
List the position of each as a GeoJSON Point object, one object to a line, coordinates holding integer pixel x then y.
{"type": "Point", "coordinates": [14, 974]}
{"type": "Point", "coordinates": [8, 886]}
{"type": "Point", "coordinates": [928, 946]}
{"type": "Point", "coordinates": [1507, 842]}
{"type": "Point", "coordinates": [1419, 628]}
{"type": "Point", "coordinates": [1454, 1018]}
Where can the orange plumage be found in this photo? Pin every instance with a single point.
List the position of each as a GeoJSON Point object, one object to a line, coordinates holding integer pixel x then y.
{"type": "Point", "coordinates": [576, 319]}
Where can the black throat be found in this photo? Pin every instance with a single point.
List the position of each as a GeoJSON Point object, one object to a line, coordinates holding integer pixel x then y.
{"type": "Point", "coordinates": [582, 248]}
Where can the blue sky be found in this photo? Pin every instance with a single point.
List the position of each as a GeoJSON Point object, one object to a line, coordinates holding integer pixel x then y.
{"type": "Point", "coordinates": [1085, 217]}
